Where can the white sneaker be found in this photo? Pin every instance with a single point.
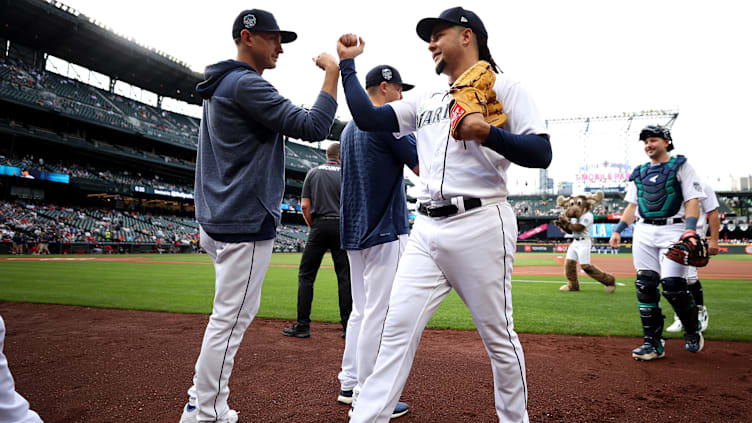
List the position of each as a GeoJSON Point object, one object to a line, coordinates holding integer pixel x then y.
{"type": "Point", "coordinates": [702, 311]}
{"type": "Point", "coordinates": [190, 415]}
{"type": "Point", "coordinates": [676, 326]}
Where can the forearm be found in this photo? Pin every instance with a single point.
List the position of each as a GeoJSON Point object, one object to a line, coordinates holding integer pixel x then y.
{"type": "Point", "coordinates": [627, 217]}
{"type": "Point", "coordinates": [533, 151]}
{"type": "Point", "coordinates": [714, 222]}
{"type": "Point", "coordinates": [366, 115]}
{"type": "Point", "coordinates": [307, 216]}
{"type": "Point", "coordinates": [331, 78]}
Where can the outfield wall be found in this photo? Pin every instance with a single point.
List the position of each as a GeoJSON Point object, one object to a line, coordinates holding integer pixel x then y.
{"type": "Point", "coordinates": [604, 248]}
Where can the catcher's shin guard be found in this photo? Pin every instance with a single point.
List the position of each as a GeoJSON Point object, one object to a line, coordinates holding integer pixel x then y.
{"type": "Point", "coordinates": [676, 292]}
{"type": "Point", "coordinates": [696, 290]}
{"type": "Point", "coordinates": [648, 298]}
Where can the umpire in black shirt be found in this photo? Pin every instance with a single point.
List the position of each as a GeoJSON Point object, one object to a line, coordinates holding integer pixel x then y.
{"type": "Point", "coordinates": [320, 205]}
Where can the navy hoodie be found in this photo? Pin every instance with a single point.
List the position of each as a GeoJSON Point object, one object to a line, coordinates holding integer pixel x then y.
{"type": "Point", "coordinates": [240, 166]}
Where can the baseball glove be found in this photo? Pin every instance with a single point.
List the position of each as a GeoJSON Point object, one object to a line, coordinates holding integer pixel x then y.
{"type": "Point", "coordinates": [689, 253]}
{"type": "Point", "coordinates": [473, 92]}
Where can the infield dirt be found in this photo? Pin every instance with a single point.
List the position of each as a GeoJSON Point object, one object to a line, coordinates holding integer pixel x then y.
{"type": "Point", "coordinates": [78, 364]}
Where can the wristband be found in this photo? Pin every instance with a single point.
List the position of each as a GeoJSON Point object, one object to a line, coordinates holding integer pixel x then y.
{"type": "Point", "coordinates": [621, 226]}
{"type": "Point", "coordinates": [691, 223]}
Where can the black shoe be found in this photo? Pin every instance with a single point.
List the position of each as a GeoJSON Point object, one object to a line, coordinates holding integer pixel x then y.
{"type": "Point", "coordinates": [693, 342]}
{"type": "Point", "coordinates": [297, 330]}
{"type": "Point", "coordinates": [345, 397]}
{"type": "Point", "coordinates": [344, 333]}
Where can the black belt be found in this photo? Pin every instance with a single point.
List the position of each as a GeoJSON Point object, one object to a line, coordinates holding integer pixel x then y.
{"type": "Point", "coordinates": [326, 218]}
{"type": "Point", "coordinates": [663, 221]}
{"type": "Point", "coordinates": [582, 238]}
{"type": "Point", "coordinates": [447, 209]}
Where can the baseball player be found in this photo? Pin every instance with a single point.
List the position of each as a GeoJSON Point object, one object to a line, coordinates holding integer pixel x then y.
{"type": "Point", "coordinates": [374, 229]}
{"type": "Point", "coordinates": [664, 195]}
{"type": "Point", "coordinates": [238, 195]}
{"type": "Point", "coordinates": [708, 218]}
{"type": "Point", "coordinates": [464, 236]}
{"type": "Point", "coordinates": [13, 407]}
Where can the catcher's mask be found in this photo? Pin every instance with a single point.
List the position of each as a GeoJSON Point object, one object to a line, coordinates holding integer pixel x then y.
{"type": "Point", "coordinates": [659, 132]}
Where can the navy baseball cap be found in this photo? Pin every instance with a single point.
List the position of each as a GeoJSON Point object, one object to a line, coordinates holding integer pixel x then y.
{"type": "Point", "coordinates": [259, 20]}
{"type": "Point", "coordinates": [385, 73]}
{"type": "Point", "coordinates": [454, 16]}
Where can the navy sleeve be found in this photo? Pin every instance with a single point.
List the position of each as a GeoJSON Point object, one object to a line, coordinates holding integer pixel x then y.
{"type": "Point", "coordinates": [525, 150]}
{"type": "Point", "coordinates": [404, 149]}
{"type": "Point", "coordinates": [366, 115]}
{"type": "Point", "coordinates": [260, 99]}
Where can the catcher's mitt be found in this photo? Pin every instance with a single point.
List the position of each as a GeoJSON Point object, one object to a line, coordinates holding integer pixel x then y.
{"type": "Point", "coordinates": [473, 92]}
{"type": "Point", "coordinates": [688, 253]}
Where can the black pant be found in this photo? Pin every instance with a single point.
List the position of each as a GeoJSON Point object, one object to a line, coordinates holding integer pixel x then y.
{"type": "Point", "coordinates": [324, 235]}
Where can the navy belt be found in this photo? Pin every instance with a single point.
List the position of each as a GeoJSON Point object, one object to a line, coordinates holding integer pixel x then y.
{"type": "Point", "coordinates": [435, 210]}
{"type": "Point", "coordinates": [663, 221]}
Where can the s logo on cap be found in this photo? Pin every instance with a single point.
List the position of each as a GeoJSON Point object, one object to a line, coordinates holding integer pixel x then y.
{"type": "Point", "coordinates": [249, 21]}
{"type": "Point", "coordinates": [386, 73]}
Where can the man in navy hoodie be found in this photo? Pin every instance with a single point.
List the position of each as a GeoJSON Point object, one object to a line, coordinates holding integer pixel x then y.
{"type": "Point", "coordinates": [239, 185]}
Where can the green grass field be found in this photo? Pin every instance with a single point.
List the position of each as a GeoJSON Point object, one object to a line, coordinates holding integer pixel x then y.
{"type": "Point", "coordinates": [188, 288]}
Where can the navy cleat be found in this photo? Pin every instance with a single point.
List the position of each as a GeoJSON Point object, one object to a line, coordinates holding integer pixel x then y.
{"type": "Point", "coordinates": [648, 351]}
{"type": "Point", "coordinates": [345, 397]}
{"type": "Point", "coordinates": [693, 342]}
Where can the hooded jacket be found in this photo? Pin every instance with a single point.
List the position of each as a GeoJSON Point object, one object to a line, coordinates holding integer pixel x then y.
{"type": "Point", "coordinates": [241, 152]}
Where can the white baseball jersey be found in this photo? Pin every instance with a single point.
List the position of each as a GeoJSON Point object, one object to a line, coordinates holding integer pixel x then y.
{"type": "Point", "coordinates": [447, 168]}
{"type": "Point", "coordinates": [579, 249]}
{"type": "Point", "coordinates": [471, 252]}
{"type": "Point", "coordinates": [707, 205]}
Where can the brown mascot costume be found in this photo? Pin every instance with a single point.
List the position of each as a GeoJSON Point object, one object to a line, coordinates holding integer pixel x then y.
{"type": "Point", "coordinates": [577, 220]}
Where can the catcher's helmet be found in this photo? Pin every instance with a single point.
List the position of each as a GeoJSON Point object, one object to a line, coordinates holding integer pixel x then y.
{"type": "Point", "coordinates": [659, 132]}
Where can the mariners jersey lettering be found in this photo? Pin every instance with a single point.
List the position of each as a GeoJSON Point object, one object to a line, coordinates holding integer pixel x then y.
{"type": "Point", "coordinates": [658, 190]}
{"type": "Point", "coordinates": [449, 168]}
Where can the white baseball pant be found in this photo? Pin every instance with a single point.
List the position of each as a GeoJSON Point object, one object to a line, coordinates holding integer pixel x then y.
{"type": "Point", "coordinates": [473, 253]}
{"type": "Point", "coordinates": [13, 407]}
{"type": "Point", "coordinates": [649, 246]}
{"type": "Point", "coordinates": [579, 250]}
{"type": "Point", "coordinates": [372, 273]}
{"type": "Point", "coordinates": [239, 273]}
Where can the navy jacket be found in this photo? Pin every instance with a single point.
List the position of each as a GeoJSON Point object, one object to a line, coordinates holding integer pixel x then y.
{"type": "Point", "coordinates": [241, 153]}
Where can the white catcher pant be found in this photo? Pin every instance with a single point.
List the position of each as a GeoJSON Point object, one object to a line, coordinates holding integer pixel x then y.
{"type": "Point", "coordinates": [649, 246]}
{"type": "Point", "coordinates": [13, 407]}
{"type": "Point", "coordinates": [239, 273]}
{"type": "Point", "coordinates": [473, 253]}
{"type": "Point", "coordinates": [372, 273]}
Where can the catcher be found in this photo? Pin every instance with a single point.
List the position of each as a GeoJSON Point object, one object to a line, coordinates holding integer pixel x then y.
{"type": "Point", "coordinates": [576, 221]}
{"type": "Point", "coordinates": [664, 194]}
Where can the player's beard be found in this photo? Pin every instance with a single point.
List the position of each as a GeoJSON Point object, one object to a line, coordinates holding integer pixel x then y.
{"type": "Point", "coordinates": [440, 66]}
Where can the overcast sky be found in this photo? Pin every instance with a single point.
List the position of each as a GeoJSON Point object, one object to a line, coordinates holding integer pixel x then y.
{"type": "Point", "coordinates": [577, 58]}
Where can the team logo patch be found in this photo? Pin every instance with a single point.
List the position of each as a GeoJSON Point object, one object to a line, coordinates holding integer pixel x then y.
{"type": "Point", "coordinates": [386, 73]}
{"type": "Point", "coordinates": [456, 114]}
{"type": "Point", "coordinates": [697, 186]}
{"type": "Point", "coordinates": [249, 21]}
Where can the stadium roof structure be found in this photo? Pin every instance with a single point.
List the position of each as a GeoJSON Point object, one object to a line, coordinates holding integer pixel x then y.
{"type": "Point", "coordinates": [54, 28]}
